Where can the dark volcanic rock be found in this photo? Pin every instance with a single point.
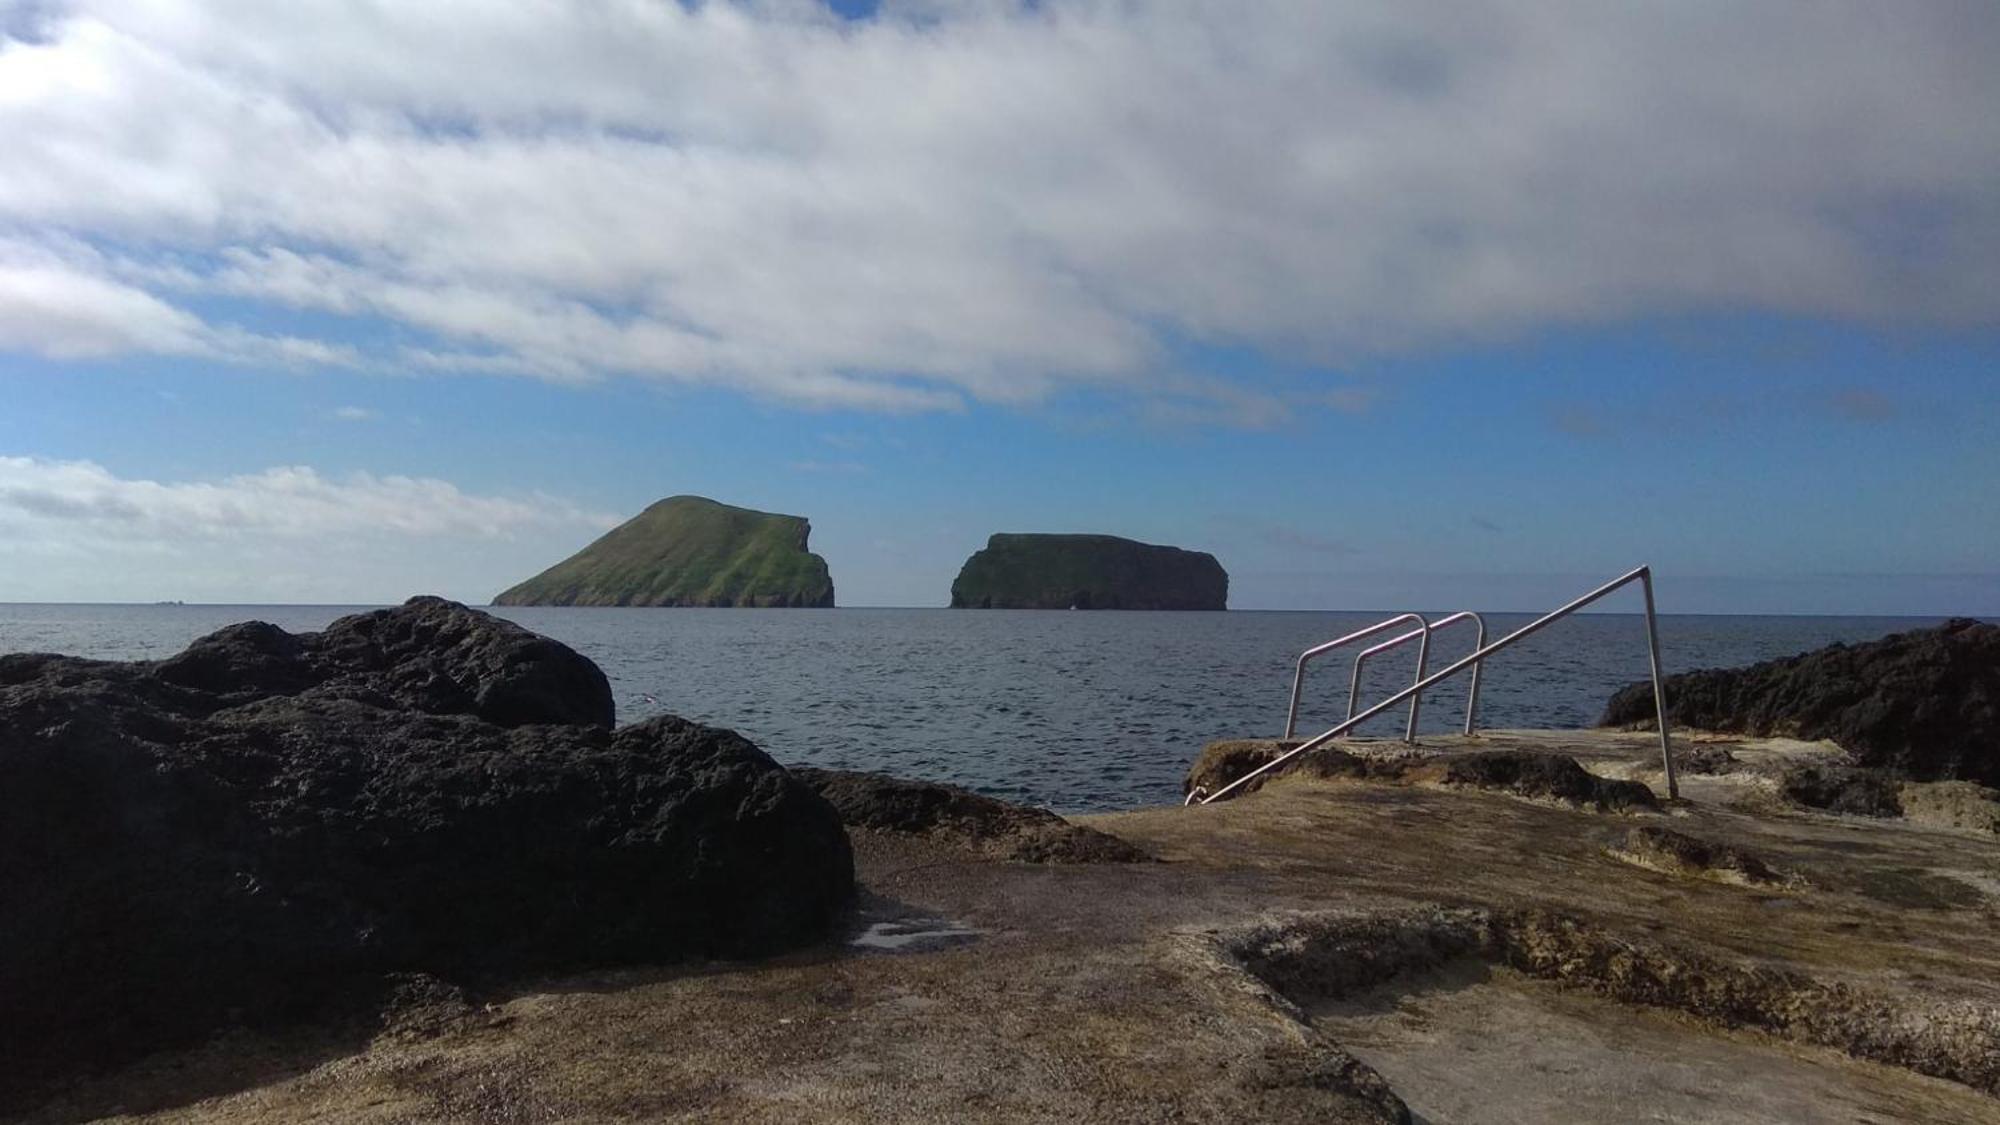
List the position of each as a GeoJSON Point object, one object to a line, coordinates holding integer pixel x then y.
{"type": "Point", "coordinates": [1841, 789]}
{"type": "Point", "coordinates": [261, 821]}
{"type": "Point", "coordinates": [1523, 773]}
{"type": "Point", "coordinates": [880, 803]}
{"type": "Point", "coordinates": [1925, 704]}
{"type": "Point", "coordinates": [428, 655]}
{"type": "Point", "coordinates": [1557, 776]}
{"type": "Point", "coordinates": [1222, 763]}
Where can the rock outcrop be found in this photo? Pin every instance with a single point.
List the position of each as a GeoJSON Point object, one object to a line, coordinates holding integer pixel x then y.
{"type": "Point", "coordinates": [1523, 773]}
{"type": "Point", "coordinates": [1840, 789]}
{"type": "Point", "coordinates": [1555, 777]}
{"type": "Point", "coordinates": [1087, 572]}
{"type": "Point", "coordinates": [1923, 705]}
{"type": "Point", "coordinates": [689, 551]}
{"type": "Point", "coordinates": [879, 803]}
{"type": "Point", "coordinates": [1678, 853]}
{"type": "Point", "coordinates": [257, 824]}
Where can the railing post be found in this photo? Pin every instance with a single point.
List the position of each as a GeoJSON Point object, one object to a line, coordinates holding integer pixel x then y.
{"type": "Point", "coordinates": [1659, 688]}
{"type": "Point", "coordinates": [1298, 683]}
{"type": "Point", "coordinates": [1354, 685]}
{"type": "Point", "coordinates": [1472, 693]}
{"type": "Point", "coordinates": [1417, 698]}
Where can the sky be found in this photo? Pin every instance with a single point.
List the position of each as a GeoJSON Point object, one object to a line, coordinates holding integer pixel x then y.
{"type": "Point", "coordinates": [1386, 305]}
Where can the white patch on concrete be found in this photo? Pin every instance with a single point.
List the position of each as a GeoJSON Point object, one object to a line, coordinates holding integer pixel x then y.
{"type": "Point", "coordinates": [912, 931]}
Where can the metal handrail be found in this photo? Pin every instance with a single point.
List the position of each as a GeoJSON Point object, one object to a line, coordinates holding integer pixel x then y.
{"type": "Point", "coordinates": [1299, 673]}
{"type": "Point", "coordinates": [1471, 696]}
{"type": "Point", "coordinates": [1643, 575]}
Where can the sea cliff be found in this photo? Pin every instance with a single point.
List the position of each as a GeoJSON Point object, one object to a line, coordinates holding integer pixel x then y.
{"type": "Point", "coordinates": [688, 551]}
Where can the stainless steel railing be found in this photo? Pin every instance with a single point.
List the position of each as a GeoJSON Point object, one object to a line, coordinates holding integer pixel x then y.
{"type": "Point", "coordinates": [1643, 576]}
{"type": "Point", "coordinates": [1422, 630]}
{"type": "Point", "coordinates": [1472, 693]}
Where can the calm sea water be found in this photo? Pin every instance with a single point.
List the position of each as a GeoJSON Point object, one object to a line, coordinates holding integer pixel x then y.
{"type": "Point", "coordinates": [1075, 711]}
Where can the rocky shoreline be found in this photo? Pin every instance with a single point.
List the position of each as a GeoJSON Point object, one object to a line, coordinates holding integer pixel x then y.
{"type": "Point", "coordinates": [406, 869]}
{"type": "Point", "coordinates": [266, 821]}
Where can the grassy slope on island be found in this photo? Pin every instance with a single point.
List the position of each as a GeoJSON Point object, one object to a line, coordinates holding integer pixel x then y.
{"type": "Point", "coordinates": [688, 551]}
{"type": "Point", "coordinates": [1034, 571]}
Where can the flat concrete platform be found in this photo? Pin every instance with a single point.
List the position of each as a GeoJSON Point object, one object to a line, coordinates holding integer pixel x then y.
{"type": "Point", "coordinates": [1320, 950]}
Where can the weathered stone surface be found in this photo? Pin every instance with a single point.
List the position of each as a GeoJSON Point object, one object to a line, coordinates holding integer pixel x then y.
{"type": "Point", "coordinates": [1335, 955]}
{"type": "Point", "coordinates": [253, 824]}
{"type": "Point", "coordinates": [1667, 850]}
{"type": "Point", "coordinates": [1227, 760]}
{"type": "Point", "coordinates": [1223, 762]}
{"type": "Point", "coordinates": [1706, 760]}
{"type": "Point", "coordinates": [1841, 789]}
{"type": "Point", "coordinates": [1925, 704]}
{"type": "Point", "coordinates": [880, 803]}
{"type": "Point", "coordinates": [1551, 776]}
{"type": "Point", "coordinates": [1524, 773]}
{"type": "Point", "coordinates": [1107, 993]}
{"type": "Point", "coordinates": [1951, 804]}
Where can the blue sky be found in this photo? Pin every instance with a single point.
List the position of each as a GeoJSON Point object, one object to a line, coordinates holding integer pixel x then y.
{"type": "Point", "coordinates": [1405, 318]}
{"type": "Point", "coordinates": [1759, 467]}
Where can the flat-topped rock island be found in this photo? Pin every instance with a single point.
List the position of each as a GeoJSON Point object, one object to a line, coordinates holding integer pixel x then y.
{"type": "Point", "coordinates": [1036, 571]}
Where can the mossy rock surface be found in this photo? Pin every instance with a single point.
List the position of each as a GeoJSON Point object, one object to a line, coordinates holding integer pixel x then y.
{"type": "Point", "coordinates": [688, 551]}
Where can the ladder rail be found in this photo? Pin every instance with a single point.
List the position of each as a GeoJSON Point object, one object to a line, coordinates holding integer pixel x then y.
{"type": "Point", "coordinates": [1643, 575]}
{"type": "Point", "coordinates": [1472, 693]}
{"type": "Point", "coordinates": [1319, 650]}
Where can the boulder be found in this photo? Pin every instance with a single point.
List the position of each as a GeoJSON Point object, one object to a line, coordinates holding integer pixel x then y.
{"type": "Point", "coordinates": [1525, 773]}
{"type": "Point", "coordinates": [1923, 704]}
{"type": "Point", "coordinates": [255, 825]}
{"type": "Point", "coordinates": [1841, 789]}
{"type": "Point", "coordinates": [1224, 762]}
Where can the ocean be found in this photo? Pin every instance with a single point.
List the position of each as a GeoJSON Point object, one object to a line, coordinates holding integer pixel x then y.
{"type": "Point", "coordinates": [1074, 711]}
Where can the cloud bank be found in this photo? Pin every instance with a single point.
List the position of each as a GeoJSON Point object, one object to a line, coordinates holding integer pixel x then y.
{"type": "Point", "coordinates": [973, 200]}
{"type": "Point", "coordinates": [282, 534]}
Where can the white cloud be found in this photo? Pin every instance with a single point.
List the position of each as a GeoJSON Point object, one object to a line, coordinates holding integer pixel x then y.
{"type": "Point", "coordinates": [62, 300]}
{"type": "Point", "coordinates": [251, 535]}
{"type": "Point", "coordinates": [353, 414]}
{"type": "Point", "coordinates": [981, 200]}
